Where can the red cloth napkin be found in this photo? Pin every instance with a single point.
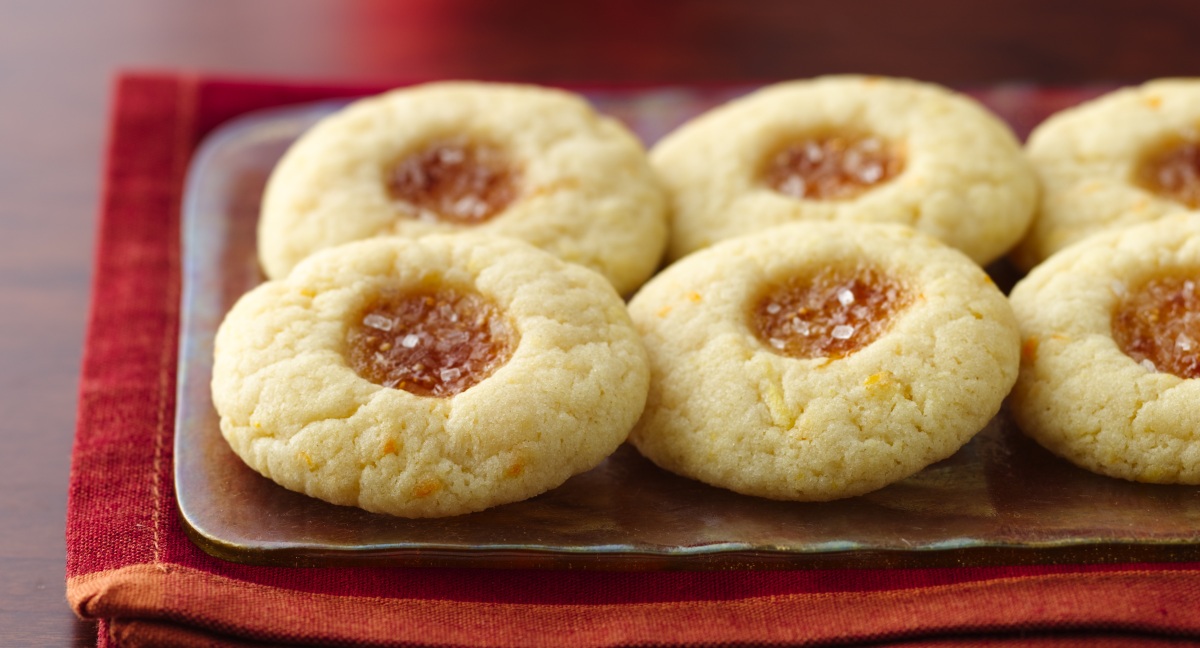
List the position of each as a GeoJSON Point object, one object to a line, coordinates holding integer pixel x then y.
{"type": "Point", "coordinates": [131, 566]}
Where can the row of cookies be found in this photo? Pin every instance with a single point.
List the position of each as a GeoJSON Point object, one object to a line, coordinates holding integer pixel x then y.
{"type": "Point", "coordinates": [1109, 320]}
{"type": "Point", "coordinates": [438, 375]}
{"type": "Point", "coordinates": [540, 165]}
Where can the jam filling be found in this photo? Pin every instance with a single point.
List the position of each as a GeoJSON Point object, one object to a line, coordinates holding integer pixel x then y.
{"type": "Point", "coordinates": [429, 343]}
{"type": "Point", "coordinates": [831, 167]}
{"type": "Point", "coordinates": [1173, 171]}
{"type": "Point", "coordinates": [831, 315]}
{"type": "Point", "coordinates": [455, 181]}
{"type": "Point", "coordinates": [1159, 326]}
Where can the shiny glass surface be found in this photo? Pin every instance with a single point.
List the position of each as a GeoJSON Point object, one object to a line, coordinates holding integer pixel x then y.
{"type": "Point", "coordinates": [1001, 499]}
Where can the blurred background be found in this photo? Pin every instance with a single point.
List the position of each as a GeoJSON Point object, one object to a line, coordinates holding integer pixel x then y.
{"type": "Point", "coordinates": [58, 58]}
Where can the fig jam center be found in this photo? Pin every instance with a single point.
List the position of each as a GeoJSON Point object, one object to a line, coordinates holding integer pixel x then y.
{"type": "Point", "coordinates": [430, 343]}
{"type": "Point", "coordinates": [831, 315]}
{"type": "Point", "coordinates": [455, 181]}
{"type": "Point", "coordinates": [831, 168]}
{"type": "Point", "coordinates": [1159, 326]}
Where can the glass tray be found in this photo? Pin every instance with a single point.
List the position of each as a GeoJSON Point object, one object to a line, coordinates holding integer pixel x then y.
{"type": "Point", "coordinates": [1000, 500]}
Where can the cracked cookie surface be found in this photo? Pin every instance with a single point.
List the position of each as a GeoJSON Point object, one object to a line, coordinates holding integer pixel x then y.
{"type": "Point", "coordinates": [1128, 157]}
{"type": "Point", "coordinates": [848, 149]}
{"type": "Point", "coordinates": [1080, 393]}
{"type": "Point", "coordinates": [563, 374]}
{"type": "Point", "coordinates": [734, 403]}
{"type": "Point", "coordinates": [532, 163]}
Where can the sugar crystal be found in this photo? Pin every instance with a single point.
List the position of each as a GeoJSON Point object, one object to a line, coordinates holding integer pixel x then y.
{"type": "Point", "coordinates": [377, 321]}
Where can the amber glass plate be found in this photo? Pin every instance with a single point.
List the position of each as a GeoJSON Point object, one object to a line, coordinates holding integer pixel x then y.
{"type": "Point", "coordinates": [1001, 499]}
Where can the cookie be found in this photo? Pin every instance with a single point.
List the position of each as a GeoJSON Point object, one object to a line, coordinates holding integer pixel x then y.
{"type": "Point", "coordinates": [522, 161]}
{"type": "Point", "coordinates": [848, 149]}
{"type": "Point", "coordinates": [1109, 367]}
{"type": "Point", "coordinates": [428, 377]}
{"type": "Point", "coordinates": [817, 361]}
{"type": "Point", "coordinates": [1128, 157]}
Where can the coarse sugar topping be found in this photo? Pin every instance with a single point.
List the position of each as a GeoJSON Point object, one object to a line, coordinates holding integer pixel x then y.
{"type": "Point", "coordinates": [1158, 325]}
{"type": "Point", "coordinates": [455, 180]}
{"type": "Point", "coordinates": [429, 342]}
{"type": "Point", "coordinates": [830, 315]}
{"type": "Point", "coordinates": [831, 167]}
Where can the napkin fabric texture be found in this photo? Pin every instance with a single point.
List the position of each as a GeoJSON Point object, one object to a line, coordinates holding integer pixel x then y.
{"type": "Point", "coordinates": [131, 566]}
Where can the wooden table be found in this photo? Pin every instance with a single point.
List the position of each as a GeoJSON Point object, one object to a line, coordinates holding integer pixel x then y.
{"type": "Point", "coordinates": [58, 58]}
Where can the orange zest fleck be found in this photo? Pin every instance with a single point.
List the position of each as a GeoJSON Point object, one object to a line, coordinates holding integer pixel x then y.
{"type": "Point", "coordinates": [426, 488]}
{"type": "Point", "coordinates": [1029, 349]}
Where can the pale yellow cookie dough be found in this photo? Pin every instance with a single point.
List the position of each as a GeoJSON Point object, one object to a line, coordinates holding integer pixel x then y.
{"type": "Point", "coordinates": [727, 409]}
{"type": "Point", "coordinates": [1079, 394]}
{"type": "Point", "coordinates": [294, 410]}
{"type": "Point", "coordinates": [585, 190]}
{"type": "Point", "coordinates": [1087, 158]}
{"type": "Point", "coordinates": [964, 179]}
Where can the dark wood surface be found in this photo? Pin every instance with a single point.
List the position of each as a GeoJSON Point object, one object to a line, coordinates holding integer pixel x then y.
{"type": "Point", "coordinates": [57, 59]}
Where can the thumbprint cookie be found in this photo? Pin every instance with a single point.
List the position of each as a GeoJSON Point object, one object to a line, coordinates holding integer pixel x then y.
{"type": "Point", "coordinates": [1110, 362]}
{"type": "Point", "coordinates": [528, 162]}
{"type": "Point", "coordinates": [428, 377]}
{"type": "Point", "coordinates": [848, 149]}
{"type": "Point", "coordinates": [816, 361]}
{"type": "Point", "coordinates": [1127, 157]}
